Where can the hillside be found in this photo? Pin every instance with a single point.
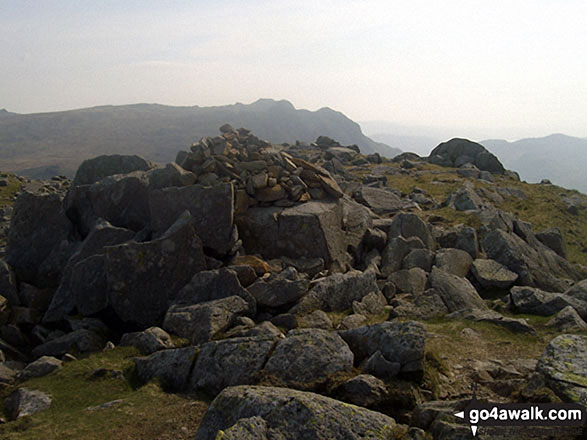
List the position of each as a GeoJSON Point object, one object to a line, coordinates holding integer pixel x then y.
{"type": "Point", "coordinates": [560, 158]}
{"type": "Point", "coordinates": [47, 144]}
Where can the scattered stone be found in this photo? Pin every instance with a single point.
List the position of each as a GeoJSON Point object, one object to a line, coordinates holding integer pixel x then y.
{"type": "Point", "coordinates": [24, 402]}
{"type": "Point", "coordinates": [422, 258]}
{"type": "Point", "coordinates": [460, 237]}
{"type": "Point", "coordinates": [79, 341]}
{"type": "Point", "coordinates": [39, 368]}
{"type": "Point", "coordinates": [492, 275]}
{"type": "Point", "coordinates": [410, 225]}
{"type": "Point", "coordinates": [396, 250]}
{"type": "Point", "coordinates": [316, 319]}
{"type": "Point", "coordinates": [148, 341]}
{"type": "Point", "coordinates": [409, 281]}
{"type": "Point", "coordinates": [567, 320]}
{"type": "Point", "coordinates": [106, 405]}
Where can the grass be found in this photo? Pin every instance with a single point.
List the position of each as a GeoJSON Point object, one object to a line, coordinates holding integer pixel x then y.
{"type": "Point", "coordinates": [145, 412]}
{"type": "Point", "coordinates": [7, 192]}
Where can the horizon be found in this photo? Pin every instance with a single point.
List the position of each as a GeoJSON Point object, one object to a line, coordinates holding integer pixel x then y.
{"type": "Point", "coordinates": [505, 70]}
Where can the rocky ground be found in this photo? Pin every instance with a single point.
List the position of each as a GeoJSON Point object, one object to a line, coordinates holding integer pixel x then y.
{"type": "Point", "coordinates": [258, 291]}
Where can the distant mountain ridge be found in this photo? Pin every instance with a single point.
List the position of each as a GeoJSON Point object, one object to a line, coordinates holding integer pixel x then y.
{"type": "Point", "coordinates": [44, 144]}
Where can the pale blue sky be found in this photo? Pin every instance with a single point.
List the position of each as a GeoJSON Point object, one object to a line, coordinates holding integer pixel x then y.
{"type": "Point", "coordinates": [485, 69]}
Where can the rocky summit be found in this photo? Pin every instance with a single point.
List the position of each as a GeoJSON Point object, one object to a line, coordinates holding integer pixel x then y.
{"type": "Point", "coordinates": [252, 290]}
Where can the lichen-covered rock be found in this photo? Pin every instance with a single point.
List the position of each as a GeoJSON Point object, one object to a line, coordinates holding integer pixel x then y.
{"type": "Point", "coordinates": [315, 319]}
{"type": "Point", "coordinates": [409, 280]}
{"type": "Point", "coordinates": [459, 237]}
{"type": "Point", "coordinates": [148, 341]}
{"type": "Point", "coordinates": [564, 365]}
{"type": "Point", "coordinates": [211, 209]}
{"type": "Point", "coordinates": [93, 170]}
{"type": "Point", "coordinates": [567, 320]}
{"type": "Point", "coordinates": [24, 402]}
{"type": "Point", "coordinates": [363, 390]}
{"type": "Point", "coordinates": [230, 362]}
{"type": "Point", "coordinates": [293, 415]}
{"type": "Point", "coordinates": [172, 367]}
{"type": "Point", "coordinates": [492, 275]}
{"type": "Point", "coordinates": [401, 343]}
{"type": "Point", "coordinates": [396, 250]}
{"type": "Point", "coordinates": [457, 293]}
{"type": "Point", "coordinates": [39, 368]}
{"type": "Point", "coordinates": [372, 304]}
{"type": "Point", "coordinates": [422, 258]}
{"type": "Point", "coordinates": [538, 302]}
{"type": "Point", "coordinates": [280, 289]}
{"type": "Point", "coordinates": [553, 239]}
{"type": "Point", "coordinates": [250, 428]}
{"type": "Point", "coordinates": [144, 277]}
{"type": "Point", "coordinates": [380, 201]}
{"type": "Point", "coordinates": [410, 225]}
{"type": "Point", "coordinates": [307, 357]}
{"type": "Point", "coordinates": [455, 261]}
{"type": "Point", "coordinates": [78, 341]}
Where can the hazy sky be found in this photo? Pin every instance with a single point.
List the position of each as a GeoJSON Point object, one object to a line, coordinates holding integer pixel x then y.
{"type": "Point", "coordinates": [486, 68]}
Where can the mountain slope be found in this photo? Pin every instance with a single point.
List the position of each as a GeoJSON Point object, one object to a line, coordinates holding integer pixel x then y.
{"type": "Point", "coordinates": [40, 145]}
{"type": "Point", "coordinates": [560, 158]}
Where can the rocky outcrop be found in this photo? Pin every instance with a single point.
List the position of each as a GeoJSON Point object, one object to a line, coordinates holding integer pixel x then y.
{"type": "Point", "coordinates": [456, 293]}
{"type": "Point", "coordinates": [94, 170]}
{"type": "Point", "coordinates": [457, 152]}
{"type": "Point", "coordinates": [291, 415]}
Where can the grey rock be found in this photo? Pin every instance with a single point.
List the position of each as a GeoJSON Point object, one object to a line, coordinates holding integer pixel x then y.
{"type": "Point", "coordinates": [454, 261]}
{"type": "Point", "coordinates": [460, 237]}
{"type": "Point", "coordinates": [148, 341]}
{"type": "Point", "coordinates": [538, 302]}
{"type": "Point", "coordinates": [457, 293]}
{"type": "Point", "coordinates": [38, 236]}
{"type": "Point", "coordinates": [307, 357]}
{"type": "Point", "coordinates": [429, 304]}
{"type": "Point", "coordinates": [280, 289]}
{"type": "Point", "coordinates": [8, 284]}
{"type": "Point", "coordinates": [211, 209]}
{"type": "Point", "coordinates": [39, 368]}
{"type": "Point", "coordinates": [24, 402]}
{"type": "Point", "coordinates": [410, 225]}
{"type": "Point", "coordinates": [79, 341]}
{"type": "Point", "coordinates": [409, 281]}
{"type": "Point", "coordinates": [230, 362]}
{"type": "Point", "coordinates": [564, 365]}
{"type": "Point", "coordinates": [309, 266]}
{"type": "Point", "coordinates": [567, 320]}
{"type": "Point", "coordinates": [356, 220]}
{"type": "Point", "coordinates": [452, 152]}
{"type": "Point", "coordinates": [512, 324]}
{"type": "Point", "coordinates": [341, 153]}
{"type": "Point", "coordinates": [249, 428]}
{"type": "Point", "coordinates": [352, 321]}
{"type": "Point", "coordinates": [170, 175]}
{"type": "Point", "coordinates": [287, 321]}
{"type": "Point", "coordinates": [372, 304]}
{"type": "Point", "coordinates": [380, 366]}
{"type": "Point", "coordinates": [292, 415]}
{"type": "Point", "coordinates": [200, 323]}
{"type": "Point", "coordinates": [421, 258]}
{"type": "Point", "coordinates": [144, 277]}
{"type": "Point", "coordinates": [578, 291]}
{"type": "Point", "coordinates": [172, 367]}
{"type": "Point", "coordinates": [396, 250]}
{"type": "Point", "coordinates": [380, 201]}
{"type": "Point", "coordinates": [266, 328]}
{"type": "Point", "coordinates": [402, 343]}
{"type": "Point", "coordinates": [93, 170]}
{"type": "Point", "coordinates": [316, 319]}
{"type": "Point", "coordinates": [464, 199]}
{"type": "Point", "coordinates": [492, 275]}
{"type": "Point", "coordinates": [246, 274]}
{"type": "Point", "coordinates": [553, 238]}
{"type": "Point", "coordinates": [363, 390]}
{"type": "Point", "coordinates": [7, 375]}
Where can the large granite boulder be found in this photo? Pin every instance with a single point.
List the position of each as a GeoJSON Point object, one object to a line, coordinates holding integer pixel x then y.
{"type": "Point", "coordinates": [389, 348]}
{"type": "Point", "coordinates": [210, 207]}
{"type": "Point", "coordinates": [410, 225]}
{"type": "Point", "coordinates": [39, 239]}
{"type": "Point", "coordinates": [144, 277]}
{"type": "Point", "coordinates": [564, 366]}
{"type": "Point", "coordinates": [457, 293]}
{"type": "Point", "coordinates": [230, 362]}
{"type": "Point", "coordinates": [307, 357]}
{"type": "Point", "coordinates": [457, 152]}
{"type": "Point", "coordinates": [292, 415]}
{"type": "Point", "coordinates": [93, 170]}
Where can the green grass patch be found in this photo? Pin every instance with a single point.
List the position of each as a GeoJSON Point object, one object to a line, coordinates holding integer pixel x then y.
{"type": "Point", "coordinates": [7, 192]}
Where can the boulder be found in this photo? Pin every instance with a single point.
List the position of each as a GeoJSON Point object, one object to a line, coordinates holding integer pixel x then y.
{"type": "Point", "coordinates": [307, 357]}
{"type": "Point", "coordinates": [144, 277]}
{"type": "Point", "coordinates": [280, 289]}
{"type": "Point", "coordinates": [456, 152]}
{"type": "Point", "coordinates": [211, 209]}
{"type": "Point", "coordinates": [553, 239]}
{"type": "Point", "coordinates": [170, 175]}
{"type": "Point", "coordinates": [356, 220]}
{"type": "Point", "coordinates": [410, 225]}
{"type": "Point", "coordinates": [363, 390]}
{"type": "Point", "coordinates": [173, 367]}
{"type": "Point", "coordinates": [578, 291]}
{"type": "Point", "coordinates": [422, 258]}
{"type": "Point", "coordinates": [492, 275]}
{"type": "Point", "coordinates": [564, 365]}
{"type": "Point", "coordinates": [38, 240]}
{"type": "Point", "coordinates": [372, 304]}
{"type": "Point", "coordinates": [536, 268]}
{"type": "Point", "coordinates": [380, 201]}
{"type": "Point", "coordinates": [230, 362]}
{"type": "Point", "coordinates": [76, 342]}
{"type": "Point", "coordinates": [459, 237]}
{"type": "Point", "coordinates": [567, 320]}
{"type": "Point", "coordinates": [39, 368]}
{"type": "Point", "coordinates": [464, 199]}
{"type": "Point", "coordinates": [148, 341]}
{"type": "Point", "coordinates": [454, 261]}
{"type": "Point", "coordinates": [396, 250]}
{"type": "Point", "coordinates": [457, 293]}
{"type": "Point", "coordinates": [512, 324]}
{"type": "Point", "coordinates": [538, 302]}
{"type": "Point", "coordinates": [249, 428]}
{"type": "Point", "coordinates": [24, 402]}
{"type": "Point", "coordinates": [202, 322]}
{"type": "Point", "coordinates": [316, 319]}
{"type": "Point", "coordinates": [409, 280]}
{"type": "Point", "coordinates": [76, 287]}
{"type": "Point", "coordinates": [291, 415]}
{"type": "Point", "coordinates": [337, 292]}
{"type": "Point", "coordinates": [401, 345]}
{"type": "Point", "coordinates": [93, 170]}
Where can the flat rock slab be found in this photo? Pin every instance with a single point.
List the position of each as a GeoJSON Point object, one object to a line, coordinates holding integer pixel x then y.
{"type": "Point", "coordinates": [293, 415]}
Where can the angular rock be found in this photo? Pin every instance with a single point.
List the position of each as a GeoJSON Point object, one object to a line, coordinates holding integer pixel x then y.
{"type": "Point", "coordinates": [200, 323]}
{"type": "Point", "coordinates": [279, 289]}
{"type": "Point", "coordinates": [410, 225]}
{"type": "Point", "coordinates": [457, 293]}
{"type": "Point", "coordinates": [454, 261]}
{"type": "Point", "coordinates": [396, 250]}
{"type": "Point", "coordinates": [144, 277]}
{"type": "Point", "coordinates": [553, 238]}
{"type": "Point", "coordinates": [538, 302]}
{"type": "Point", "coordinates": [372, 304]}
{"type": "Point", "coordinates": [307, 357]}
{"type": "Point", "coordinates": [401, 343]}
{"type": "Point", "coordinates": [211, 209]}
{"type": "Point", "coordinates": [250, 428]}
{"type": "Point", "coordinates": [464, 199]}
{"type": "Point", "coordinates": [172, 367]}
{"type": "Point", "coordinates": [39, 368]}
{"type": "Point", "coordinates": [291, 415]}
{"type": "Point", "coordinates": [352, 321]}
{"type": "Point", "coordinates": [93, 170]}
{"type": "Point", "coordinates": [492, 275]}
{"type": "Point", "coordinates": [230, 362]}
{"type": "Point", "coordinates": [457, 151]}
{"type": "Point", "coordinates": [380, 201]}
{"type": "Point", "coordinates": [567, 320]}
{"type": "Point", "coordinates": [363, 390]}
{"type": "Point", "coordinates": [564, 365]}
{"type": "Point", "coordinates": [421, 258]}
{"type": "Point", "coordinates": [148, 341]}
{"type": "Point", "coordinates": [79, 341]}
{"type": "Point", "coordinates": [460, 237]}
{"type": "Point", "coordinates": [512, 324]}
{"type": "Point", "coordinates": [316, 319]}
{"type": "Point", "coordinates": [24, 402]}
{"type": "Point", "coordinates": [409, 281]}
